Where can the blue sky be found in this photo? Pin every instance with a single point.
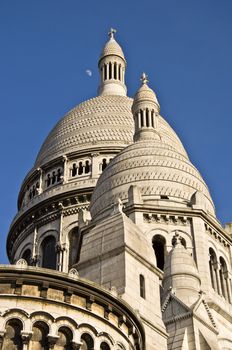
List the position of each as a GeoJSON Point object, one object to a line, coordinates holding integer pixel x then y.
{"type": "Point", "coordinates": [184, 46]}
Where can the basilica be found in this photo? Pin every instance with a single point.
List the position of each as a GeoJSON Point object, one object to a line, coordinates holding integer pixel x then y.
{"type": "Point", "coordinates": [116, 244]}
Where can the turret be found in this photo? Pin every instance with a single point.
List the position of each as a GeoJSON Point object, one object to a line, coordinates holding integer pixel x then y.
{"type": "Point", "coordinates": [112, 66]}
{"type": "Point", "coordinates": [145, 110]}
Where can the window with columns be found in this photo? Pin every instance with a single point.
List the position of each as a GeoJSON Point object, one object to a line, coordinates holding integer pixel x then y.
{"type": "Point", "coordinates": [39, 339]}
{"type": "Point", "coordinates": [219, 276]}
{"type": "Point", "coordinates": [81, 168]}
{"type": "Point", "coordinates": [65, 339]}
{"type": "Point", "coordinates": [12, 339]}
{"type": "Point", "coordinates": [87, 342]}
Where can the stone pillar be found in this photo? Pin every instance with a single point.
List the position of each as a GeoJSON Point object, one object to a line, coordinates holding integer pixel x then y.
{"type": "Point", "coordinates": [40, 189]}
{"type": "Point", "coordinates": [216, 269]}
{"type": "Point", "coordinates": [26, 336]}
{"type": "Point", "coordinates": [139, 120]}
{"type": "Point", "coordinates": [94, 165]}
{"type": "Point", "coordinates": [107, 71]}
{"type": "Point", "coordinates": [52, 339]}
{"type": "Point", "coordinates": [65, 175]}
{"type": "Point", "coordinates": [149, 118]}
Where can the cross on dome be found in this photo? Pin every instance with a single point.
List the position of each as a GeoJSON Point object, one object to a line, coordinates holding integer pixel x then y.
{"type": "Point", "coordinates": [112, 32]}
{"type": "Point", "coordinates": [144, 78]}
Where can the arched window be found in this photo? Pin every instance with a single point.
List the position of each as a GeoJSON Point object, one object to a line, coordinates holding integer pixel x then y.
{"type": "Point", "coordinates": [104, 346]}
{"type": "Point", "coordinates": [142, 286]}
{"type": "Point", "coordinates": [74, 170]}
{"type": "Point", "coordinates": [27, 256]}
{"type": "Point", "coordinates": [141, 118]}
{"type": "Point", "coordinates": [80, 168]}
{"type": "Point", "coordinates": [12, 338]}
{"type": "Point", "coordinates": [159, 246]}
{"type": "Point", "coordinates": [48, 180]}
{"type": "Point", "coordinates": [65, 339]}
{"type": "Point", "coordinates": [48, 251]}
{"type": "Point", "coordinates": [110, 70]}
{"type": "Point", "coordinates": [105, 72]}
{"type": "Point", "coordinates": [115, 70]}
{"type": "Point", "coordinates": [152, 119]}
{"type": "Point", "coordinates": [74, 246]}
{"type": "Point", "coordinates": [53, 177]}
{"type": "Point", "coordinates": [223, 279]}
{"type": "Point", "coordinates": [104, 164]}
{"type": "Point", "coordinates": [87, 342]}
{"type": "Point", "coordinates": [147, 118]}
{"type": "Point", "coordinates": [87, 167]}
{"type": "Point", "coordinates": [212, 269]}
{"type": "Point", "coordinates": [59, 173]}
{"type": "Point", "coordinates": [39, 339]}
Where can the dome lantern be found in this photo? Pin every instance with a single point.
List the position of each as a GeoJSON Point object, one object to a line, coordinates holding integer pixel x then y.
{"type": "Point", "coordinates": [145, 111]}
{"type": "Point", "coordinates": [112, 66]}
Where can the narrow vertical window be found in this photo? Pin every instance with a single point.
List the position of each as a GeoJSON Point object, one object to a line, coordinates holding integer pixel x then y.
{"type": "Point", "coordinates": [147, 118]}
{"type": "Point", "coordinates": [115, 70]}
{"type": "Point", "coordinates": [110, 70]}
{"type": "Point", "coordinates": [80, 169]}
{"type": "Point", "coordinates": [141, 116]}
{"type": "Point", "coordinates": [142, 286]}
{"type": "Point", "coordinates": [105, 72]}
{"type": "Point", "coordinates": [119, 72]}
{"type": "Point", "coordinates": [87, 167]}
{"type": "Point", "coordinates": [159, 244]}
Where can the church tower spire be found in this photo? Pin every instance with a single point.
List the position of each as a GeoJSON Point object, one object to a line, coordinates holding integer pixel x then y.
{"type": "Point", "coordinates": [112, 66]}
{"type": "Point", "coordinates": [145, 110]}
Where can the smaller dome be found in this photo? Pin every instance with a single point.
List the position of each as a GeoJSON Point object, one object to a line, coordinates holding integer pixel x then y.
{"type": "Point", "coordinates": [112, 47]}
{"type": "Point", "coordinates": [145, 94]}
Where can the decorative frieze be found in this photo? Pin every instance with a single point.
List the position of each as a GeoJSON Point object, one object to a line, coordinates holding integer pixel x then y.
{"type": "Point", "coordinates": [166, 219]}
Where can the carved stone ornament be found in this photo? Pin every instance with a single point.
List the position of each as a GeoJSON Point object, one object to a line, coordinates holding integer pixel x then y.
{"type": "Point", "coordinates": [21, 263]}
{"type": "Point", "coordinates": [73, 273]}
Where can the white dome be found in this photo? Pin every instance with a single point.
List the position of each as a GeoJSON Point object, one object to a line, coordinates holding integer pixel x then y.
{"type": "Point", "coordinates": [158, 167]}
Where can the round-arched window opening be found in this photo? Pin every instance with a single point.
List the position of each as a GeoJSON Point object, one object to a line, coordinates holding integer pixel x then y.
{"type": "Point", "coordinates": [65, 339]}
{"type": "Point", "coordinates": [87, 342]}
{"type": "Point", "coordinates": [74, 246]}
{"type": "Point", "coordinates": [104, 346]}
{"type": "Point", "coordinates": [12, 339]}
{"type": "Point", "coordinates": [39, 339]}
{"type": "Point", "coordinates": [48, 251]}
{"type": "Point", "coordinates": [159, 246]}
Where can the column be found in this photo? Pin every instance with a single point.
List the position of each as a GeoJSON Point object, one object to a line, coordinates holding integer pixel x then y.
{"type": "Point", "coordinates": [65, 160]}
{"type": "Point", "coordinates": [107, 71]}
{"type": "Point", "coordinates": [26, 336]}
{"type": "Point", "coordinates": [40, 189]}
{"type": "Point", "coordinates": [149, 118]}
{"type": "Point", "coordinates": [216, 269]}
{"type": "Point", "coordinates": [139, 120]}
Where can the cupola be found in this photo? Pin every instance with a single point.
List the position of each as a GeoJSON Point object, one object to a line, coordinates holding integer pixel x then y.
{"type": "Point", "coordinates": [145, 111]}
{"type": "Point", "coordinates": [112, 66]}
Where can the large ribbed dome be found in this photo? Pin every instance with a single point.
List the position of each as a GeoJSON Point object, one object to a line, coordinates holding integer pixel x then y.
{"type": "Point", "coordinates": [157, 167]}
{"type": "Point", "coordinates": [101, 121]}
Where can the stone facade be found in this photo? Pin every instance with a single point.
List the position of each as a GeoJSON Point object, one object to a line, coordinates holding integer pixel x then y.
{"type": "Point", "coordinates": [116, 243]}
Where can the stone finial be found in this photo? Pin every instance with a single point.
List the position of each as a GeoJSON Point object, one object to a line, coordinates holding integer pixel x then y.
{"type": "Point", "coordinates": [144, 78]}
{"type": "Point", "coordinates": [112, 32]}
